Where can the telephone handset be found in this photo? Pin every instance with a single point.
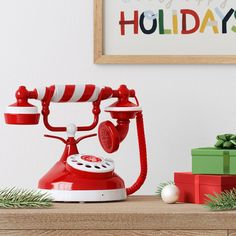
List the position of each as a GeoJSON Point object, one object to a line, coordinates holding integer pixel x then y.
{"type": "Point", "coordinates": [76, 176]}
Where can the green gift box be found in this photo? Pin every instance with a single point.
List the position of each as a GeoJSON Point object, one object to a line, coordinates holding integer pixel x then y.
{"type": "Point", "coordinates": [213, 161]}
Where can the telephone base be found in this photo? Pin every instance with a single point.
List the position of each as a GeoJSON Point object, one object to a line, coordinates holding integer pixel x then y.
{"type": "Point", "coordinates": [86, 195]}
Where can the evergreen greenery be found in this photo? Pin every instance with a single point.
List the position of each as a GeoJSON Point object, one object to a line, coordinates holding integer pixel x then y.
{"type": "Point", "coordinates": [22, 198]}
{"type": "Point", "coordinates": [224, 201]}
{"type": "Point", "coordinates": [162, 185]}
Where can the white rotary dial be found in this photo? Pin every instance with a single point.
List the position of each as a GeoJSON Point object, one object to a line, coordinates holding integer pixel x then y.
{"type": "Point", "coordinates": [90, 163]}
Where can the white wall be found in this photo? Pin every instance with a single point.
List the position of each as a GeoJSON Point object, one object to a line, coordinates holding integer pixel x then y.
{"type": "Point", "coordinates": [43, 42]}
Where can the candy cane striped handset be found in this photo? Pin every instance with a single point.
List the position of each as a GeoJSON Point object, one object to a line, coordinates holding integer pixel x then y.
{"type": "Point", "coordinates": [83, 177]}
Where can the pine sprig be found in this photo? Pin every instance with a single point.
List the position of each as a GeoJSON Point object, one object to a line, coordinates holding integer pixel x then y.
{"type": "Point", "coordinates": [221, 202]}
{"type": "Point", "coordinates": [162, 185]}
{"type": "Point", "coordinates": [22, 198]}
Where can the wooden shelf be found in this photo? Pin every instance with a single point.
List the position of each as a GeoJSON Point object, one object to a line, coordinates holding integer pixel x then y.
{"type": "Point", "coordinates": [139, 215]}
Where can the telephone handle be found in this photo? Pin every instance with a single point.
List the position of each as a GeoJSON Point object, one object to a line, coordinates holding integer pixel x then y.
{"type": "Point", "coordinates": [73, 93]}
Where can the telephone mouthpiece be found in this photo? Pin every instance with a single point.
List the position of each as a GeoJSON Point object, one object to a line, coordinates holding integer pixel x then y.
{"type": "Point", "coordinates": [22, 115]}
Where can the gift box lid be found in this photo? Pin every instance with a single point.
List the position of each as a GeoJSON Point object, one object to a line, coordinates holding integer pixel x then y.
{"type": "Point", "coordinates": [216, 180]}
{"type": "Point", "coordinates": [211, 151]}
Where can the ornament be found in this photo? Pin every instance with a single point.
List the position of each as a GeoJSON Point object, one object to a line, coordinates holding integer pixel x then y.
{"type": "Point", "coordinates": [162, 185]}
{"type": "Point", "coordinates": [170, 194]}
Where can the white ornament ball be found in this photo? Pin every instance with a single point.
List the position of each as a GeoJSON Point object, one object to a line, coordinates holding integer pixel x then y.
{"type": "Point", "coordinates": [170, 194]}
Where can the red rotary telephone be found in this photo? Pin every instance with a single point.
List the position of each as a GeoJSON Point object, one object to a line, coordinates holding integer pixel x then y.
{"type": "Point", "coordinates": [80, 177]}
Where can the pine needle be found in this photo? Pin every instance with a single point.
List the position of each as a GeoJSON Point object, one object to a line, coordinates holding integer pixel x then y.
{"type": "Point", "coordinates": [221, 202]}
{"type": "Point", "coordinates": [22, 198]}
{"type": "Point", "coordinates": [162, 185]}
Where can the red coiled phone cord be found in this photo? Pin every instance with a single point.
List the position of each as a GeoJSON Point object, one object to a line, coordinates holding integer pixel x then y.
{"type": "Point", "coordinates": [143, 155]}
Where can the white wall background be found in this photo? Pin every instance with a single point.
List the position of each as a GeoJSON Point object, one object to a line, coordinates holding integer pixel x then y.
{"type": "Point", "coordinates": [43, 42]}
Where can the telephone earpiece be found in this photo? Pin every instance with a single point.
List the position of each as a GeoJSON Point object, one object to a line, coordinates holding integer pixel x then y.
{"type": "Point", "coordinates": [108, 136]}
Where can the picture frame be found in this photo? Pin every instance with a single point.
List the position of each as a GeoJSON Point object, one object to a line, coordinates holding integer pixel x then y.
{"type": "Point", "coordinates": [101, 56]}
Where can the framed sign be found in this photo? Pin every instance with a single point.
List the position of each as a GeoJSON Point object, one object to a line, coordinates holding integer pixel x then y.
{"type": "Point", "coordinates": [165, 31]}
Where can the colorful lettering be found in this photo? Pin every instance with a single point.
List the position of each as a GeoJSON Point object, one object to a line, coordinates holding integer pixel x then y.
{"type": "Point", "coordinates": [186, 12]}
{"type": "Point", "coordinates": [161, 22]}
{"type": "Point", "coordinates": [209, 19]}
{"type": "Point", "coordinates": [175, 22]}
{"type": "Point", "coordinates": [124, 22]}
{"type": "Point", "coordinates": [225, 20]}
{"type": "Point", "coordinates": [142, 27]}
{"type": "Point", "coordinates": [234, 27]}
{"type": "Point", "coordinates": [183, 21]}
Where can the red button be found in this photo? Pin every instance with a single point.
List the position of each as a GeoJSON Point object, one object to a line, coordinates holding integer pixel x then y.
{"type": "Point", "coordinates": [91, 159]}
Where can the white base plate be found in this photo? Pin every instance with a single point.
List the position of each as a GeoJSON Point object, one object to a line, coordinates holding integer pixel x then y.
{"type": "Point", "coordinates": [87, 195]}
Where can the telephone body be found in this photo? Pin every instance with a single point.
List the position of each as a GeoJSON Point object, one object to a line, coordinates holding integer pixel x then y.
{"type": "Point", "coordinates": [78, 177]}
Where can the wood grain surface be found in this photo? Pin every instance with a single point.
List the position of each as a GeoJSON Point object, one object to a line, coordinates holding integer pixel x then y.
{"type": "Point", "coordinates": [232, 233]}
{"type": "Point", "coordinates": [113, 233]}
{"type": "Point", "coordinates": [137, 213]}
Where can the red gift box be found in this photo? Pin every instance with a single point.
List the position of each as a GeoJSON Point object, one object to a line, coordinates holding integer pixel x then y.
{"type": "Point", "coordinates": [193, 188]}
